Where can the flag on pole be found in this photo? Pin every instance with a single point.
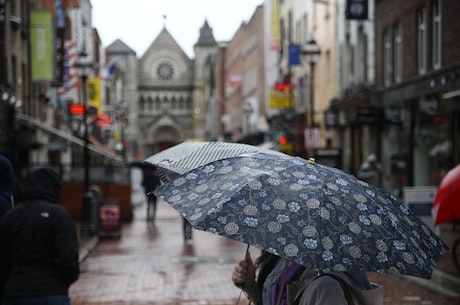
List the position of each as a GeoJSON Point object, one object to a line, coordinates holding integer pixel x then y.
{"type": "Point", "coordinates": [107, 71]}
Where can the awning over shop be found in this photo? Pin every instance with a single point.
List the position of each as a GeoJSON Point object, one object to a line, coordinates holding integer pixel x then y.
{"type": "Point", "coordinates": [32, 122]}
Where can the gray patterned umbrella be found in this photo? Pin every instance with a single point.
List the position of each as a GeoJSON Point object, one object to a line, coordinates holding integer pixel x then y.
{"type": "Point", "coordinates": [315, 215]}
{"type": "Point", "coordinates": [187, 156]}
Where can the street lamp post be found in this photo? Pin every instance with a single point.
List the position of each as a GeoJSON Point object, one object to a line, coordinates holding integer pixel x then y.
{"type": "Point", "coordinates": [312, 54]}
{"type": "Point", "coordinates": [87, 225]}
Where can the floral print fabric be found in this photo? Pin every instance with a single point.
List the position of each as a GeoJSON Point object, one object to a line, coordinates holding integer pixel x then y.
{"type": "Point", "coordinates": [314, 215]}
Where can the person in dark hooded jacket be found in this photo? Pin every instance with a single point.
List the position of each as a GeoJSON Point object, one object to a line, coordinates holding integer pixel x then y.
{"type": "Point", "coordinates": [39, 257]}
{"type": "Point", "coordinates": [7, 185]}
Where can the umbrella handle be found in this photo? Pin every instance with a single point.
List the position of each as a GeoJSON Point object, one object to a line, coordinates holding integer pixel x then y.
{"type": "Point", "coordinates": [247, 252]}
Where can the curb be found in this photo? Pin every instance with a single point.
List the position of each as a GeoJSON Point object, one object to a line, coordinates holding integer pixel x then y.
{"type": "Point", "coordinates": [87, 247]}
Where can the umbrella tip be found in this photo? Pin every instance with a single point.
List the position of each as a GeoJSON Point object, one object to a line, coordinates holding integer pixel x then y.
{"type": "Point", "coordinates": [311, 161]}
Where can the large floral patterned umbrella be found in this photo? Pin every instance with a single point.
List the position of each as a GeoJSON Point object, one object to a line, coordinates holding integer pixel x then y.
{"type": "Point", "coordinates": [315, 215]}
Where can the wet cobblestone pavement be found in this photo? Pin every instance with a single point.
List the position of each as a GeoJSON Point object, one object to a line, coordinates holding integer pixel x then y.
{"type": "Point", "coordinates": [152, 265]}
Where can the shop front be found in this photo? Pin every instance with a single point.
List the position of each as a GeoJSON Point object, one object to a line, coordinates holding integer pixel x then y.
{"type": "Point", "coordinates": [420, 136]}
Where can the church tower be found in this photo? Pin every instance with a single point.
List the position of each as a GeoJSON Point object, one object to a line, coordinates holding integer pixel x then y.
{"type": "Point", "coordinates": [205, 51]}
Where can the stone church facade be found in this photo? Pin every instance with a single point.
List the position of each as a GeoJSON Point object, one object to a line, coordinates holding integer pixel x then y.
{"type": "Point", "coordinates": [162, 92]}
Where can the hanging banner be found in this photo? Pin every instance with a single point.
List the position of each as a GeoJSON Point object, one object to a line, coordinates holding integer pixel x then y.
{"type": "Point", "coordinates": [59, 41]}
{"type": "Point", "coordinates": [59, 53]}
{"type": "Point", "coordinates": [294, 54]}
{"type": "Point", "coordinates": [69, 89]}
{"type": "Point", "coordinates": [275, 42]}
{"type": "Point", "coordinates": [41, 42]}
{"type": "Point", "coordinates": [94, 93]}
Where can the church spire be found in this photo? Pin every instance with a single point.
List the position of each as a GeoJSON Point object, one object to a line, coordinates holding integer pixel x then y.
{"type": "Point", "coordinates": [206, 37]}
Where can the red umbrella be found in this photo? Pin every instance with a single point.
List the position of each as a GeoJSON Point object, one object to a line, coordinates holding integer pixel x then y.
{"type": "Point", "coordinates": [446, 204]}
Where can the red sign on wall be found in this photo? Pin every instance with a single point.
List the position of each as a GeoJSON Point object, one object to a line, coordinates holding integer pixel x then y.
{"type": "Point", "coordinates": [77, 109]}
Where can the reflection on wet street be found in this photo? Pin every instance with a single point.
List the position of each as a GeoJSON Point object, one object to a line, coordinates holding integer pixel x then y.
{"type": "Point", "coordinates": [151, 264]}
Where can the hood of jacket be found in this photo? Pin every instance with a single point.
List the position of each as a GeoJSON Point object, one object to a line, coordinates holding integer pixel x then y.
{"type": "Point", "coordinates": [7, 177]}
{"type": "Point", "coordinates": [41, 183]}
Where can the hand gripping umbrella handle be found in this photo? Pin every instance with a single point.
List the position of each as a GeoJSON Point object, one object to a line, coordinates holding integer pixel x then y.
{"type": "Point", "coordinates": [242, 286]}
{"type": "Point", "coordinates": [245, 258]}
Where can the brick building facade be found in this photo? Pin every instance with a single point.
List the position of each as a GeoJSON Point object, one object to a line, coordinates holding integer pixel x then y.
{"type": "Point", "coordinates": [417, 88]}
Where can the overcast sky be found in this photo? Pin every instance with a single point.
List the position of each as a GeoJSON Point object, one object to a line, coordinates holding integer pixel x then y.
{"type": "Point", "coordinates": [138, 22]}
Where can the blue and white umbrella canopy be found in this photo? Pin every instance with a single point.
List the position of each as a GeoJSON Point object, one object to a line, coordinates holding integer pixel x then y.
{"type": "Point", "coordinates": [315, 215]}
{"type": "Point", "coordinates": [186, 156]}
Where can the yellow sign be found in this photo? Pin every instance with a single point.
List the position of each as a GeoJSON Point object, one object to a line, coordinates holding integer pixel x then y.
{"type": "Point", "coordinates": [94, 93]}
{"type": "Point", "coordinates": [286, 148]}
{"type": "Point", "coordinates": [280, 99]}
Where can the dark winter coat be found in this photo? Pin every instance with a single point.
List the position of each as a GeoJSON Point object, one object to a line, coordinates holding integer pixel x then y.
{"type": "Point", "coordinates": [38, 241]}
{"type": "Point", "coordinates": [7, 185]}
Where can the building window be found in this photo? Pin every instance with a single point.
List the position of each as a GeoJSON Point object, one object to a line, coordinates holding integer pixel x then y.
{"type": "Point", "coordinates": [436, 34]}
{"type": "Point", "coordinates": [398, 52]}
{"type": "Point", "coordinates": [14, 76]}
{"type": "Point", "coordinates": [387, 58]}
{"type": "Point", "coordinates": [141, 103]}
{"type": "Point", "coordinates": [305, 32]}
{"type": "Point", "coordinates": [351, 62]}
{"type": "Point", "coordinates": [362, 56]}
{"type": "Point", "coordinates": [421, 40]}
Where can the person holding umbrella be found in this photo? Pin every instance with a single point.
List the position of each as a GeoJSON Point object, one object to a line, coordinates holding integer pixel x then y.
{"type": "Point", "coordinates": [280, 282]}
{"type": "Point", "coordinates": [314, 215]}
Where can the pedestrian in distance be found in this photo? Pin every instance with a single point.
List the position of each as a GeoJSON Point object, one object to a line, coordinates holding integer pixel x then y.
{"type": "Point", "coordinates": [186, 229]}
{"type": "Point", "coordinates": [39, 257]}
{"type": "Point", "coordinates": [7, 185]}
{"type": "Point", "coordinates": [272, 280]}
{"type": "Point", "coordinates": [150, 183]}
{"type": "Point", "coordinates": [371, 171]}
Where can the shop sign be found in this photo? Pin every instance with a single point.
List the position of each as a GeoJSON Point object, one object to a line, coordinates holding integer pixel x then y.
{"type": "Point", "coordinates": [312, 138]}
{"type": "Point", "coordinates": [428, 105]}
{"type": "Point", "coordinates": [294, 54]}
{"type": "Point", "coordinates": [280, 99]}
{"type": "Point", "coordinates": [356, 9]}
{"type": "Point", "coordinates": [366, 116]}
{"type": "Point", "coordinates": [330, 118]}
{"type": "Point", "coordinates": [329, 156]}
{"type": "Point", "coordinates": [392, 114]}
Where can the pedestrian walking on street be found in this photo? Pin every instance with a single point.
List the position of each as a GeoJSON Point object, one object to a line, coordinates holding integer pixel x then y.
{"type": "Point", "coordinates": [39, 259]}
{"type": "Point", "coordinates": [186, 229]}
{"type": "Point", "coordinates": [282, 283]}
{"type": "Point", "coordinates": [150, 183]}
{"type": "Point", "coordinates": [371, 171]}
{"type": "Point", "coordinates": [7, 185]}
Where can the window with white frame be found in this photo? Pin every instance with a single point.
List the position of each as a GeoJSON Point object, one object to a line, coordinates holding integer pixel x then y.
{"type": "Point", "coordinates": [387, 58]}
{"type": "Point", "coordinates": [421, 40]}
{"type": "Point", "coordinates": [436, 9]}
{"type": "Point", "coordinates": [398, 52]}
